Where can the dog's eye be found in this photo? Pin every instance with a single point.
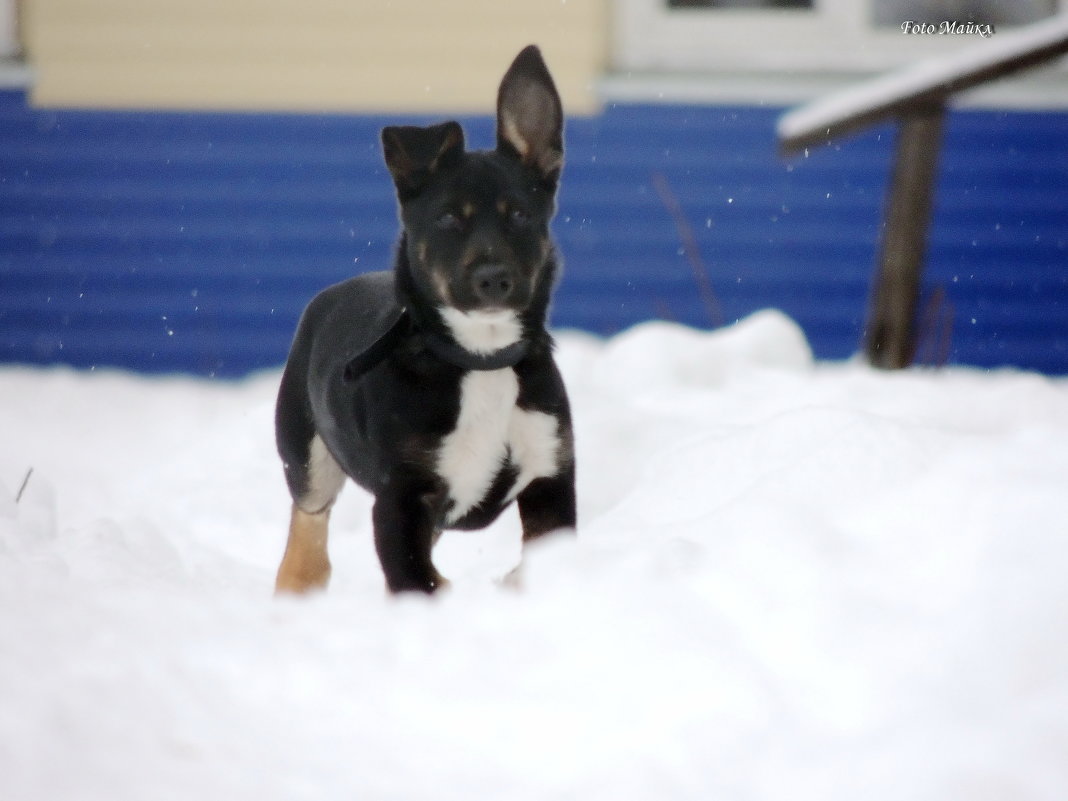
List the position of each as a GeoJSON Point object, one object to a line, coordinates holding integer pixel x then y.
{"type": "Point", "coordinates": [448, 222]}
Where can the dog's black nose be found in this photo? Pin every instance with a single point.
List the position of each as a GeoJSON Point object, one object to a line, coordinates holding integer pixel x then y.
{"type": "Point", "coordinates": [492, 283]}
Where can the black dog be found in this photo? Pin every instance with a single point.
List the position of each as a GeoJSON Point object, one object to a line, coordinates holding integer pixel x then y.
{"type": "Point", "coordinates": [433, 385]}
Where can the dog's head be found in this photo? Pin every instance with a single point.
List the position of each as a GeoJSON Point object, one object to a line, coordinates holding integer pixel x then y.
{"type": "Point", "coordinates": [476, 238]}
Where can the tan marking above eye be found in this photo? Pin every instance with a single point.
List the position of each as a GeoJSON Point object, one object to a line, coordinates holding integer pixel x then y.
{"type": "Point", "coordinates": [502, 207]}
{"type": "Point", "coordinates": [468, 210]}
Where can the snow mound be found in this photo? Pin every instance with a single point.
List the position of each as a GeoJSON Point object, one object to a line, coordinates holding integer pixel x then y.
{"type": "Point", "coordinates": [792, 580]}
{"type": "Point", "coordinates": [662, 354]}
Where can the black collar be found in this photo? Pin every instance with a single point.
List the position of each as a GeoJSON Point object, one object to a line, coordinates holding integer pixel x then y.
{"type": "Point", "coordinates": [447, 350]}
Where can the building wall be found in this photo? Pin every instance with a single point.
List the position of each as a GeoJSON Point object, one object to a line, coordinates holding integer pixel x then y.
{"type": "Point", "coordinates": [170, 239]}
{"type": "Point", "coordinates": [355, 55]}
{"type": "Point", "coordinates": [190, 242]}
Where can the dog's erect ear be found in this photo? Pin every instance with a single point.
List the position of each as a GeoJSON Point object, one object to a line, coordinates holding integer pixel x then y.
{"type": "Point", "coordinates": [414, 154]}
{"type": "Point", "coordinates": [530, 119]}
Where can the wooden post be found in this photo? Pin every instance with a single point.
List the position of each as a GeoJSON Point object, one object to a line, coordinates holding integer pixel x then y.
{"type": "Point", "coordinates": [891, 329]}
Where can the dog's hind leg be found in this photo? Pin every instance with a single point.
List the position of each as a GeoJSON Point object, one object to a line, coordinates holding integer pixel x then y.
{"type": "Point", "coordinates": [312, 474]}
{"type": "Point", "coordinates": [306, 564]}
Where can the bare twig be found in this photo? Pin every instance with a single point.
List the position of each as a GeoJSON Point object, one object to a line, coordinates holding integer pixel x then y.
{"type": "Point", "coordinates": [946, 334]}
{"type": "Point", "coordinates": [25, 481]}
{"type": "Point", "coordinates": [936, 331]}
{"type": "Point", "coordinates": [690, 248]}
{"type": "Point", "coordinates": [663, 310]}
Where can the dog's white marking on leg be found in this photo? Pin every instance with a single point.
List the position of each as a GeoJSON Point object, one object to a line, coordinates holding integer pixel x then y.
{"type": "Point", "coordinates": [534, 442]}
{"type": "Point", "coordinates": [483, 331]}
{"type": "Point", "coordinates": [325, 478]}
{"type": "Point", "coordinates": [472, 455]}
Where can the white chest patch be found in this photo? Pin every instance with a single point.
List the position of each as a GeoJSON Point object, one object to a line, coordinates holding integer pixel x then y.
{"type": "Point", "coordinates": [490, 431]}
{"type": "Point", "coordinates": [483, 331]}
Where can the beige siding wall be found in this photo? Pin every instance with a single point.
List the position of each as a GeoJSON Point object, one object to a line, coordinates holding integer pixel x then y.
{"type": "Point", "coordinates": [359, 55]}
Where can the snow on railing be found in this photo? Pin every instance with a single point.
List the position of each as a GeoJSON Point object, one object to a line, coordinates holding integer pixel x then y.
{"type": "Point", "coordinates": [927, 83]}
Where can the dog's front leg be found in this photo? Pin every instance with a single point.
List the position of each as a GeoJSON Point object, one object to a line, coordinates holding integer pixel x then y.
{"type": "Point", "coordinates": [406, 518]}
{"type": "Point", "coordinates": [547, 504]}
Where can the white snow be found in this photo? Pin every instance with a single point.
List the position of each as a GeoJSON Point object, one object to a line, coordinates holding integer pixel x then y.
{"type": "Point", "coordinates": [792, 581]}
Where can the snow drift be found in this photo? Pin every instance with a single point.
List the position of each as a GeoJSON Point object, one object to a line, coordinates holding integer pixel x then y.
{"type": "Point", "coordinates": [793, 581]}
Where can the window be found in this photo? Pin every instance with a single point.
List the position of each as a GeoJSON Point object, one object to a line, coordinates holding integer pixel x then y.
{"type": "Point", "coordinates": [892, 13]}
{"type": "Point", "coordinates": [762, 36]}
{"type": "Point", "coordinates": [740, 3]}
{"type": "Point", "coordinates": [10, 46]}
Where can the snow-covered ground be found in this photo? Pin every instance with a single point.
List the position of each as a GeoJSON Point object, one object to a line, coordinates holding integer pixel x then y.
{"type": "Point", "coordinates": [792, 581]}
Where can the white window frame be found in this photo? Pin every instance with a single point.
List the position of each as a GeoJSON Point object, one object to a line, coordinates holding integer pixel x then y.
{"type": "Point", "coordinates": [10, 47]}
{"type": "Point", "coordinates": [834, 36]}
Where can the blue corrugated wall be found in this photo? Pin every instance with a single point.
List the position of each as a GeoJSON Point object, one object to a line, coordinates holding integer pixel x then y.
{"type": "Point", "coordinates": [190, 242]}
